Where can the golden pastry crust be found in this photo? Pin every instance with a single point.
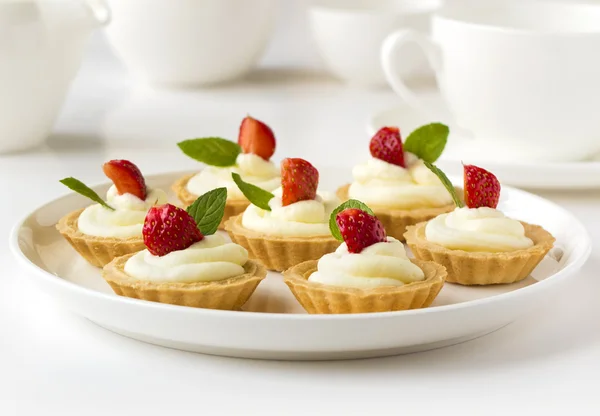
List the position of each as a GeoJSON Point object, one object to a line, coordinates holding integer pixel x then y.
{"type": "Point", "coordinates": [98, 251]}
{"type": "Point", "coordinates": [318, 298]}
{"type": "Point", "coordinates": [395, 221]}
{"type": "Point", "coordinates": [481, 268]}
{"type": "Point", "coordinates": [228, 294]}
{"type": "Point", "coordinates": [279, 253]}
{"type": "Point", "coordinates": [233, 207]}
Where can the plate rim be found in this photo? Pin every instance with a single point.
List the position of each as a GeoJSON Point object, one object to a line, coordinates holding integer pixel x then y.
{"type": "Point", "coordinates": [63, 284]}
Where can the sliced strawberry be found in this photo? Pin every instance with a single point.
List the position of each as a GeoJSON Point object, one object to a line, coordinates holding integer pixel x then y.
{"type": "Point", "coordinates": [359, 229]}
{"type": "Point", "coordinates": [299, 181]}
{"type": "Point", "coordinates": [127, 177]}
{"type": "Point", "coordinates": [387, 146]}
{"type": "Point", "coordinates": [168, 228]}
{"type": "Point", "coordinates": [482, 188]}
{"type": "Point", "coordinates": [256, 138]}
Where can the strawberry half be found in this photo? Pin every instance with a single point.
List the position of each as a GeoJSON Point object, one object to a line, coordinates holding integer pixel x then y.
{"type": "Point", "coordinates": [482, 188]}
{"type": "Point", "coordinates": [387, 146]}
{"type": "Point", "coordinates": [299, 181]}
{"type": "Point", "coordinates": [257, 138]}
{"type": "Point", "coordinates": [359, 229]}
{"type": "Point", "coordinates": [127, 177]}
{"type": "Point", "coordinates": [168, 228]}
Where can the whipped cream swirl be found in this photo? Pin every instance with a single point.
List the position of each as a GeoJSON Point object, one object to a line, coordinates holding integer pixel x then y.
{"type": "Point", "coordinates": [213, 258]}
{"type": "Point", "coordinates": [384, 184]}
{"type": "Point", "coordinates": [252, 169]}
{"type": "Point", "coordinates": [477, 229]}
{"type": "Point", "coordinates": [300, 219]}
{"type": "Point", "coordinates": [382, 264]}
{"type": "Point", "coordinates": [125, 221]}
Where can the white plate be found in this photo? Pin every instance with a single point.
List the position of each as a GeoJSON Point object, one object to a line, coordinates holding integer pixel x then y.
{"type": "Point", "coordinates": [528, 174]}
{"type": "Point", "coordinates": [274, 325]}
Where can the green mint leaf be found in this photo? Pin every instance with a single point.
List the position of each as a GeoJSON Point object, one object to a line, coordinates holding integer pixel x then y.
{"type": "Point", "coordinates": [257, 196]}
{"type": "Point", "coordinates": [82, 189]}
{"type": "Point", "coordinates": [351, 203]}
{"type": "Point", "coordinates": [447, 184]}
{"type": "Point", "coordinates": [212, 151]}
{"type": "Point", "coordinates": [208, 210]}
{"type": "Point", "coordinates": [428, 142]}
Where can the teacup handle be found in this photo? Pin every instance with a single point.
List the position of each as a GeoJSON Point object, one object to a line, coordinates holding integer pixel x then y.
{"type": "Point", "coordinates": [390, 49]}
{"type": "Point", "coordinates": [100, 11]}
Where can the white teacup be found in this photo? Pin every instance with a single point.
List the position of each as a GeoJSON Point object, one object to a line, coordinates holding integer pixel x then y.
{"type": "Point", "coordinates": [190, 42]}
{"type": "Point", "coordinates": [522, 76]}
{"type": "Point", "coordinates": [41, 45]}
{"type": "Point", "coordinates": [349, 34]}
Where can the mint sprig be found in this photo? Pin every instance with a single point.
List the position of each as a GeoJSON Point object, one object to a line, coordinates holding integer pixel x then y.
{"type": "Point", "coordinates": [213, 151]}
{"type": "Point", "coordinates": [428, 142]}
{"type": "Point", "coordinates": [82, 189]}
{"type": "Point", "coordinates": [208, 210]}
{"type": "Point", "coordinates": [351, 203]}
{"type": "Point", "coordinates": [257, 196]}
{"type": "Point", "coordinates": [447, 184]}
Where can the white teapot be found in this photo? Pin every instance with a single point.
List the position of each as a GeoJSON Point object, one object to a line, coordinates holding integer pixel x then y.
{"type": "Point", "coordinates": [41, 46]}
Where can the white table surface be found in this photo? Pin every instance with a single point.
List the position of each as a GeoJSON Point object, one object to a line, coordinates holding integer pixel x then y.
{"type": "Point", "coordinates": [54, 362]}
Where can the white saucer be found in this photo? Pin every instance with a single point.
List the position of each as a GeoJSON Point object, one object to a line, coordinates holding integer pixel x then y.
{"type": "Point", "coordinates": [273, 325]}
{"type": "Point", "coordinates": [534, 174]}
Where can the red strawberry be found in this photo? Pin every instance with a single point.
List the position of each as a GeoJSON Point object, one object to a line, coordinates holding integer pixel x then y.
{"type": "Point", "coordinates": [299, 180]}
{"type": "Point", "coordinates": [359, 229]}
{"type": "Point", "coordinates": [387, 146]}
{"type": "Point", "coordinates": [127, 177]}
{"type": "Point", "coordinates": [482, 188]}
{"type": "Point", "coordinates": [257, 138]}
{"type": "Point", "coordinates": [168, 228]}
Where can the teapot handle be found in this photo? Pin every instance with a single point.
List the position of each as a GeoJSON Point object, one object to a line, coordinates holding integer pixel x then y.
{"type": "Point", "coordinates": [100, 11]}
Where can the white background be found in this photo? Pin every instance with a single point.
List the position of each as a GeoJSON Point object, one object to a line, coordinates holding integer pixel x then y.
{"type": "Point", "coordinates": [55, 363]}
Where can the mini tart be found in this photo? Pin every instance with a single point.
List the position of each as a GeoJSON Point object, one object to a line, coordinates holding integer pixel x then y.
{"type": "Point", "coordinates": [227, 294]}
{"type": "Point", "coordinates": [98, 251]}
{"type": "Point", "coordinates": [482, 268]}
{"type": "Point", "coordinates": [318, 298]}
{"type": "Point", "coordinates": [395, 221]}
{"type": "Point", "coordinates": [279, 253]}
{"type": "Point", "coordinates": [233, 207]}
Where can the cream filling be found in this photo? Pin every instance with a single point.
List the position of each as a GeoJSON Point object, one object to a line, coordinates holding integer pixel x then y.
{"type": "Point", "coordinates": [301, 219]}
{"type": "Point", "coordinates": [479, 229]}
{"type": "Point", "coordinates": [251, 168]}
{"type": "Point", "coordinates": [380, 183]}
{"type": "Point", "coordinates": [382, 264]}
{"type": "Point", "coordinates": [125, 221]}
{"type": "Point", "coordinates": [213, 258]}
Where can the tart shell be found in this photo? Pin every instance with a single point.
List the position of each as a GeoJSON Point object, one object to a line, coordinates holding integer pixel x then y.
{"type": "Point", "coordinates": [482, 268]}
{"type": "Point", "coordinates": [98, 251]}
{"type": "Point", "coordinates": [233, 207]}
{"type": "Point", "coordinates": [279, 253]}
{"type": "Point", "coordinates": [318, 298]}
{"type": "Point", "coordinates": [228, 294]}
{"type": "Point", "coordinates": [395, 221]}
